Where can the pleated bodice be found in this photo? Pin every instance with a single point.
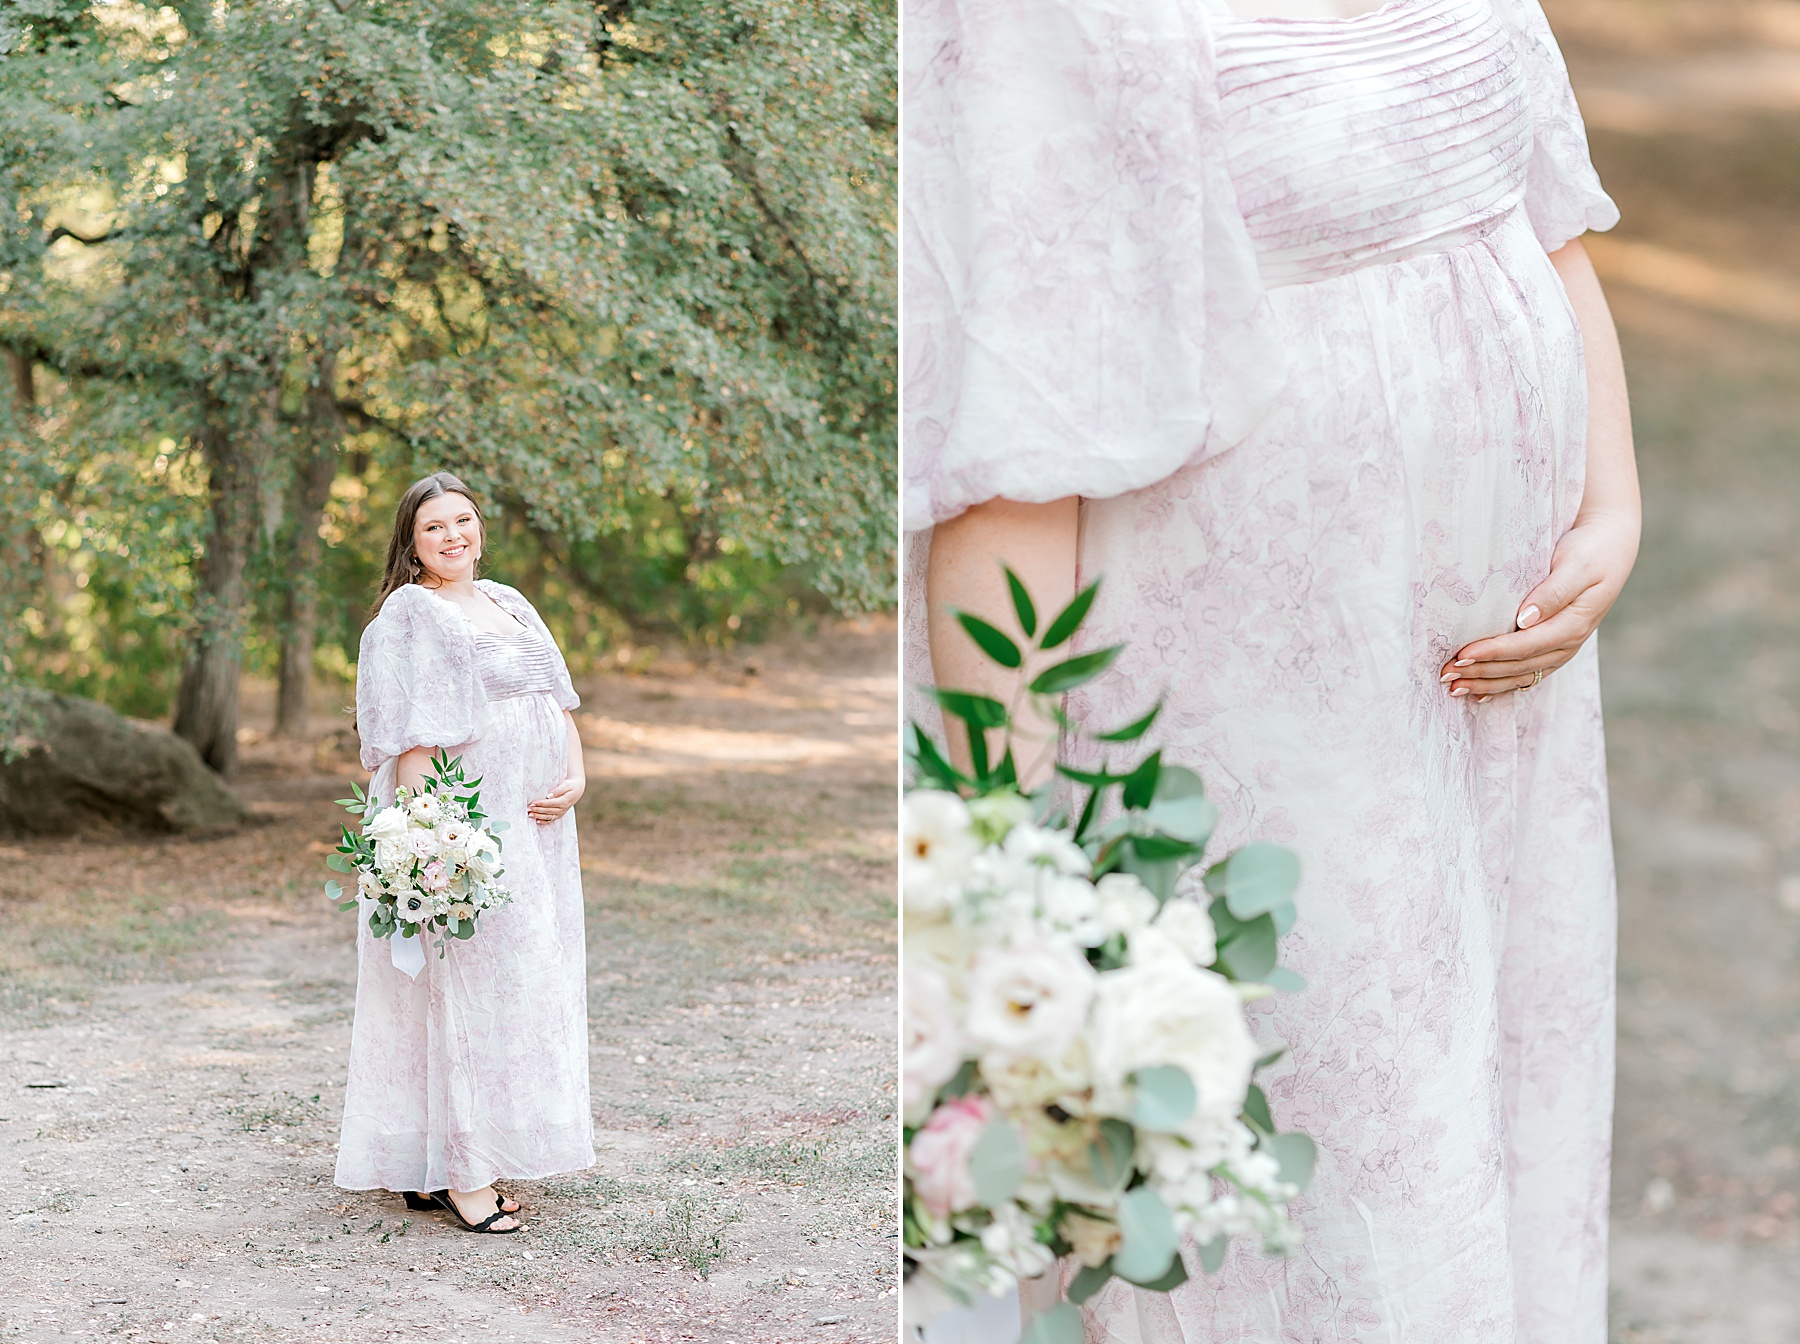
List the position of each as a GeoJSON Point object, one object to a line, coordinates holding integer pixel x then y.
{"type": "Point", "coordinates": [1357, 141]}
{"type": "Point", "coordinates": [516, 664]}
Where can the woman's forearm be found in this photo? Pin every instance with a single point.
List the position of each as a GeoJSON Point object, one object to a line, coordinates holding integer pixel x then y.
{"type": "Point", "coordinates": [966, 573]}
{"type": "Point", "coordinates": [577, 767]}
{"type": "Point", "coordinates": [1612, 483]}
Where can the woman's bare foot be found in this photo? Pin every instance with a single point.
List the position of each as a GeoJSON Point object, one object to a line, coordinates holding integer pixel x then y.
{"type": "Point", "coordinates": [425, 1201]}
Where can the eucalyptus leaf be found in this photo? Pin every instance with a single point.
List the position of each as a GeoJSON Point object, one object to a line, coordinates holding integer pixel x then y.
{"type": "Point", "coordinates": [1060, 1325]}
{"type": "Point", "coordinates": [1297, 1155]}
{"type": "Point", "coordinates": [1176, 1276]}
{"type": "Point", "coordinates": [1165, 1098]}
{"type": "Point", "coordinates": [1212, 1255]}
{"type": "Point", "coordinates": [334, 889]}
{"type": "Point", "coordinates": [1256, 1110]}
{"type": "Point", "coordinates": [1090, 1280]}
{"type": "Point", "coordinates": [1250, 954]}
{"type": "Point", "coordinates": [339, 863]}
{"type": "Point", "coordinates": [997, 1163]}
{"type": "Point", "coordinates": [1288, 982]}
{"type": "Point", "coordinates": [1255, 879]}
{"type": "Point", "coordinates": [1109, 1155]}
{"type": "Point", "coordinates": [1148, 1236]}
{"type": "Point", "coordinates": [1190, 819]}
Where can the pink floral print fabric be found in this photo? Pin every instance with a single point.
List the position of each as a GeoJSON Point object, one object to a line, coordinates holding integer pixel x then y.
{"type": "Point", "coordinates": [1292, 592]}
{"type": "Point", "coordinates": [478, 1069]}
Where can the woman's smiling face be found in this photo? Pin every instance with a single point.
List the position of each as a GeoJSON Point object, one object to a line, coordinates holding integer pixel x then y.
{"type": "Point", "coordinates": [447, 538]}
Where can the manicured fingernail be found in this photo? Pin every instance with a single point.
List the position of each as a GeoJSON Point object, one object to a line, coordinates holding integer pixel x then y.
{"type": "Point", "coordinates": [1484, 699]}
{"type": "Point", "coordinates": [1448, 676]}
{"type": "Point", "coordinates": [1463, 662]}
{"type": "Point", "coordinates": [1528, 618]}
{"type": "Point", "coordinates": [1460, 690]}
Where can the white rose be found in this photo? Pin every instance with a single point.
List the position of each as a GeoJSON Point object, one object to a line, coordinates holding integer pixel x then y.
{"type": "Point", "coordinates": [1164, 1010]}
{"type": "Point", "coordinates": [455, 857]}
{"type": "Point", "coordinates": [425, 807]}
{"type": "Point", "coordinates": [453, 834]}
{"type": "Point", "coordinates": [422, 842]}
{"type": "Point", "coordinates": [1123, 903]}
{"type": "Point", "coordinates": [1070, 903]}
{"type": "Point", "coordinates": [1011, 1243]}
{"type": "Point", "coordinates": [936, 846]}
{"type": "Point", "coordinates": [1033, 844]}
{"type": "Point", "coordinates": [480, 842]}
{"type": "Point", "coordinates": [931, 1048]}
{"type": "Point", "coordinates": [367, 883]}
{"type": "Point", "coordinates": [387, 824]}
{"type": "Point", "coordinates": [1187, 924]}
{"type": "Point", "coordinates": [392, 855]}
{"type": "Point", "coordinates": [1027, 1002]}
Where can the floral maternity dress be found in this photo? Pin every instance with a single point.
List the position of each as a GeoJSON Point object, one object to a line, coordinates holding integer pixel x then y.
{"type": "Point", "coordinates": [477, 1069]}
{"type": "Point", "coordinates": [1272, 296]}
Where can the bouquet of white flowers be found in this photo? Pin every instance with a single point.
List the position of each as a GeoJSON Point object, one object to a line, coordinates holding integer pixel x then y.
{"type": "Point", "coordinates": [426, 862]}
{"type": "Point", "coordinates": [1077, 1069]}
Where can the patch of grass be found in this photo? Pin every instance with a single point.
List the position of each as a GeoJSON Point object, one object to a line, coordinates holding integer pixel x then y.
{"type": "Point", "coordinates": [286, 1109]}
{"type": "Point", "coordinates": [642, 1220]}
{"type": "Point", "coordinates": [113, 940]}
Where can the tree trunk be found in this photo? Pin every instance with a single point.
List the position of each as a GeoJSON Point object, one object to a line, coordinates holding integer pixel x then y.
{"type": "Point", "coordinates": [206, 709]}
{"type": "Point", "coordinates": [300, 604]}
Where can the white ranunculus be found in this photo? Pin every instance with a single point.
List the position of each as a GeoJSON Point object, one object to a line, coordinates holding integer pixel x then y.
{"type": "Point", "coordinates": [454, 833]}
{"type": "Point", "coordinates": [1165, 1010]}
{"type": "Point", "coordinates": [367, 883]}
{"type": "Point", "coordinates": [936, 846]}
{"type": "Point", "coordinates": [425, 807]}
{"type": "Point", "coordinates": [1027, 1001]}
{"type": "Point", "coordinates": [388, 824]}
{"type": "Point", "coordinates": [1123, 903]}
{"type": "Point", "coordinates": [1187, 924]}
{"type": "Point", "coordinates": [931, 1048]}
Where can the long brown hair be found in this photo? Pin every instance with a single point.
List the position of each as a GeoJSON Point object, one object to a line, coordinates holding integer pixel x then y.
{"type": "Point", "coordinates": [403, 565]}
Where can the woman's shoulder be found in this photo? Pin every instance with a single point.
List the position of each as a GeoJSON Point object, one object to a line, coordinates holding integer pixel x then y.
{"type": "Point", "coordinates": [407, 608]}
{"type": "Point", "coordinates": [508, 597]}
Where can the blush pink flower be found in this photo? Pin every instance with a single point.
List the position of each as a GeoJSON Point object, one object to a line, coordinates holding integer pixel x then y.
{"type": "Point", "coordinates": [939, 1155]}
{"type": "Point", "coordinates": [434, 877]}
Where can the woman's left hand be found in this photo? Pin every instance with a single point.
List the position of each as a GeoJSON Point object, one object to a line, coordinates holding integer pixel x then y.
{"type": "Point", "coordinates": [1587, 571]}
{"type": "Point", "coordinates": [558, 801]}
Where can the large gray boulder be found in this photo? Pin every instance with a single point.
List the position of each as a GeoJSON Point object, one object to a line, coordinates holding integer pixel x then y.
{"type": "Point", "coordinates": [84, 767]}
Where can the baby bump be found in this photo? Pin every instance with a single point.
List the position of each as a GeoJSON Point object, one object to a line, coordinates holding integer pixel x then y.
{"type": "Point", "coordinates": [522, 755]}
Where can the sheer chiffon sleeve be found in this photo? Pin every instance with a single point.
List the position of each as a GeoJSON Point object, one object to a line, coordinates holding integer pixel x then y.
{"type": "Point", "coordinates": [416, 680]}
{"type": "Point", "coordinates": [519, 605]}
{"type": "Point", "coordinates": [1563, 195]}
{"type": "Point", "coordinates": [1084, 314]}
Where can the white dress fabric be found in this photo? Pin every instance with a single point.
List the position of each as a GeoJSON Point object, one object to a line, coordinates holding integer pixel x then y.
{"type": "Point", "coordinates": [478, 1069]}
{"type": "Point", "coordinates": [1293, 589]}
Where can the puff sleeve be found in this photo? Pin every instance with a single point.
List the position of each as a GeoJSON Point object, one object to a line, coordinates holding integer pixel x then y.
{"type": "Point", "coordinates": [520, 606]}
{"type": "Point", "coordinates": [1563, 195]}
{"type": "Point", "coordinates": [416, 680]}
{"type": "Point", "coordinates": [1083, 309]}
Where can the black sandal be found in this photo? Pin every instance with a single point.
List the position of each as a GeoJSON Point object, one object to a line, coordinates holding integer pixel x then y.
{"type": "Point", "coordinates": [486, 1224]}
{"type": "Point", "coordinates": [422, 1203]}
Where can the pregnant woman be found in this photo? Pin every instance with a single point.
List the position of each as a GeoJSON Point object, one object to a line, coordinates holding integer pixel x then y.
{"type": "Point", "coordinates": [1274, 316]}
{"type": "Point", "coordinates": [473, 1067]}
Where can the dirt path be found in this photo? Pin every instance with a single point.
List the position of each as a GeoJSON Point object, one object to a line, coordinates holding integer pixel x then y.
{"type": "Point", "coordinates": [176, 1017]}
{"type": "Point", "coordinates": [1700, 142]}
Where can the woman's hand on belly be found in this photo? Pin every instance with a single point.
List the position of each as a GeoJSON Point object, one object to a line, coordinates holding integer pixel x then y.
{"type": "Point", "coordinates": [1587, 572]}
{"type": "Point", "coordinates": [558, 801]}
{"type": "Point", "coordinates": [1594, 557]}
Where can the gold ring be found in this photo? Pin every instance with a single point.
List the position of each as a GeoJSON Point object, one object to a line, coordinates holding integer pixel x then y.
{"type": "Point", "coordinates": [1535, 680]}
